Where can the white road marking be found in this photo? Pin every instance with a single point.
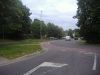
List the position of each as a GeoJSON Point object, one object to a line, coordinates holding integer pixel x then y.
{"type": "Point", "coordinates": [31, 71]}
{"type": "Point", "coordinates": [50, 64]}
{"type": "Point", "coordinates": [89, 53]}
{"type": "Point", "coordinates": [82, 51]}
{"type": "Point", "coordinates": [95, 62]}
{"type": "Point", "coordinates": [45, 64]}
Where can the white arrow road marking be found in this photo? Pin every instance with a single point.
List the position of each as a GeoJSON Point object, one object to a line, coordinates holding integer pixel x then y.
{"type": "Point", "coordinates": [95, 62]}
{"type": "Point", "coordinates": [46, 64]}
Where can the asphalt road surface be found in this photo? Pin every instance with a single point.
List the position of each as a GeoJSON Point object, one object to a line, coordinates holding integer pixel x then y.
{"type": "Point", "coordinates": [60, 58]}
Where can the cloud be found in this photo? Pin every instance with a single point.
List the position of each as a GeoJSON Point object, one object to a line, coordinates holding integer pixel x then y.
{"type": "Point", "coordinates": [59, 12]}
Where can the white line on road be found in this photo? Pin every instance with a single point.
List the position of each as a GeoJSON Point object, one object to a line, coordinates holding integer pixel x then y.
{"type": "Point", "coordinates": [88, 53]}
{"type": "Point", "coordinates": [45, 64]}
{"type": "Point", "coordinates": [95, 62]}
{"type": "Point", "coordinates": [82, 51]}
{"type": "Point", "coordinates": [31, 71]}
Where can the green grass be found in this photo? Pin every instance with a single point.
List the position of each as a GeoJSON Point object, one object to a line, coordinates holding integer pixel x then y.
{"type": "Point", "coordinates": [13, 49]}
{"type": "Point", "coordinates": [82, 41]}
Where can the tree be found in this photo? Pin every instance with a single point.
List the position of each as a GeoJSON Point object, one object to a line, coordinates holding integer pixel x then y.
{"type": "Point", "coordinates": [38, 28]}
{"type": "Point", "coordinates": [54, 31]}
{"type": "Point", "coordinates": [88, 16]}
{"type": "Point", "coordinates": [76, 33]}
{"type": "Point", "coordinates": [14, 19]}
{"type": "Point", "coordinates": [69, 32]}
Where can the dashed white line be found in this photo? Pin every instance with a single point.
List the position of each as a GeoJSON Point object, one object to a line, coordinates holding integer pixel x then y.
{"type": "Point", "coordinates": [95, 62]}
{"type": "Point", "coordinates": [31, 71]}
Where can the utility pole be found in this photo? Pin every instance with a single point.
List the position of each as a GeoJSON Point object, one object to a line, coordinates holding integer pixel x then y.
{"type": "Point", "coordinates": [3, 32]}
{"type": "Point", "coordinates": [41, 25]}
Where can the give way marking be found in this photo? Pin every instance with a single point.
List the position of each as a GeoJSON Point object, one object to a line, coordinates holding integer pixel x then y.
{"type": "Point", "coordinates": [46, 64]}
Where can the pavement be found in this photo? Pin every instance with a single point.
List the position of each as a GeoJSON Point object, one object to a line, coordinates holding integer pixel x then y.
{"type": "Point", "coordinates": [60, 58]}
{"type": "Point", "coordinates": [3, 61]}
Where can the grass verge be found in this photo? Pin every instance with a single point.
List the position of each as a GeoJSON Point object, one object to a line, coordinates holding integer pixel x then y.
{"type": "Point", "coordinates": [13, 49]}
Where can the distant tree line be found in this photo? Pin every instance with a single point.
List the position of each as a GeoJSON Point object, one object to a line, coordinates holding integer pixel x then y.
{"type": "Point", "coordinates": [15, 23]}
{"type": "Point", "coordinates": [72, 33]}
{"type": "Point", "coordinates": [39, 28]}
{"type": "Point", "coordinates": [88, 16]}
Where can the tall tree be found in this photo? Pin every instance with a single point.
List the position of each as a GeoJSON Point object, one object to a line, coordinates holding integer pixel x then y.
{"type": "Point", "coordinates": [76, 32]}
{"type": "Point", "coordinates": [14, 19]}
{"type": "Point", "coordinates": [88, 15]}
{"type": "Point", "coordinates": [38, 29]}
{"type": "Point", "coordinates": [69, 32]}
{"type": "Point", "coordinates": [54, 31]}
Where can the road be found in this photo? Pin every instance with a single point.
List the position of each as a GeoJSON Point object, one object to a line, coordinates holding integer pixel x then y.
{"type": "Point", "coordinates": [60, 58]}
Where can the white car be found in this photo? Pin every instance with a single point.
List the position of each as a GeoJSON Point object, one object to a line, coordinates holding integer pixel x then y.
{"type": "Point", "coordinates": [67, 38]}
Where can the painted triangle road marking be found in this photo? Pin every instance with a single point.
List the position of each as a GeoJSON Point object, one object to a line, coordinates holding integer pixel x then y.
{"type": "Point", "coordinates": [50, 64]}
{"type": "Point", "coordinates": [46, 64]}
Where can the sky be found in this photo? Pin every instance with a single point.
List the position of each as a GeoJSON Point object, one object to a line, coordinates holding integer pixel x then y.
{"type": "Point", "coordinates": [59, 12]}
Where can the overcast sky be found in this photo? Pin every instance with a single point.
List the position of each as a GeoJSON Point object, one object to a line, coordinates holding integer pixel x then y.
{"type": "Point", "coordinates": [59, 12]}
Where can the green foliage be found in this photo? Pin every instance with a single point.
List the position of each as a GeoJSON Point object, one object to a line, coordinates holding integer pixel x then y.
{"type": "Point", "coordinates": [88, 15]}
{"type": "Point", "coordinates": [39, 28]}
{"type": "Point", "coordinates": [15, 23]}
{"type": "Point", "coordinates": [72, 33]}
{"type": "Point", "coordinates": [69, 32]}
{"type": "Point", "coordinates": [14, 49]}
{"type": "Point", "coordinates": [14, 19]}
{"type": "Point", "coordinates": [54, 31]}
{"type": "Point", "coordinates": [76, 32]}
